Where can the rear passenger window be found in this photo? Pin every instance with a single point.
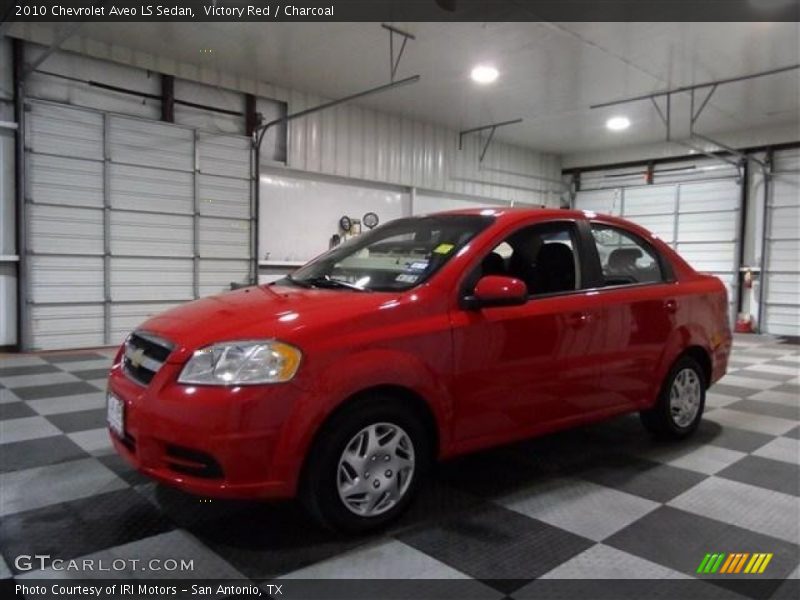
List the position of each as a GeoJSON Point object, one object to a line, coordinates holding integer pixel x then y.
{"type": "Point", "coordinates": [625, 258]}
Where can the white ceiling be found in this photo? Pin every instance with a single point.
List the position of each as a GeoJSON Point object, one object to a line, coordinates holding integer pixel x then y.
{"type": "Point", "coordinates": [550, 73]}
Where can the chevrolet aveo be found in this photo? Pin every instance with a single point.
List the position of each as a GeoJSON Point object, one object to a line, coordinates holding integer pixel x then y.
{"type": "Point", "coordinates": [426, 338]}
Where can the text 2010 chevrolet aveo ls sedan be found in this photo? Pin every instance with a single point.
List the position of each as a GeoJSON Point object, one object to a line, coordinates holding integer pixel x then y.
{"type": "Point", "coordinates": [423, 339]}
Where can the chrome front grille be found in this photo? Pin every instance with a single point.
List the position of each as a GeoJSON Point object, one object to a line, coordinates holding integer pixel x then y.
{"type": "Point", "coordinates": [144, 356]}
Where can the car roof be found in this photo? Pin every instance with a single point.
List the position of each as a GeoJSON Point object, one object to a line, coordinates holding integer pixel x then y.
{"type": "Point", "coordinates": [511, 214]}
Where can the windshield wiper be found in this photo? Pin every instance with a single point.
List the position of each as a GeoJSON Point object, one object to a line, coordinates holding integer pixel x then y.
{"type": "Point", "coordinates": [298, 282]}
{"type": "Point", "coordinates": [326, 281]}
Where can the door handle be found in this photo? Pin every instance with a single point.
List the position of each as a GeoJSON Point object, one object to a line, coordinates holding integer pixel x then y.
{"type": "Point", "coordinates": [670, 305]}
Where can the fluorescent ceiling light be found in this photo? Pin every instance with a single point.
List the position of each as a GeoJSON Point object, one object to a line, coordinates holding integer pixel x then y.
{"type": "Point", "coordinates": [618, 123]}
{"type": "Point", "coordinates": [484, 74]}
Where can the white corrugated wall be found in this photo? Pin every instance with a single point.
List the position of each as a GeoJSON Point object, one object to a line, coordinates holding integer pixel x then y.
{"type": "Point", "coordinates": [781, 280]}
{"type": "Point", "coordinates": [351, 141]}
{"type": "Point", "coordinates": [347, 141]}
{"type": "Point", "coordinates": [8, 243]}
{"type": "Point", "coordinates": [364, 146]}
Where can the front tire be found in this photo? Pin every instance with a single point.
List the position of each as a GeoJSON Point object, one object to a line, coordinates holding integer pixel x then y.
{"type": "Point", "coordinates": [366, 465]}
{"type": "Point", "coordinates": [680, 403]}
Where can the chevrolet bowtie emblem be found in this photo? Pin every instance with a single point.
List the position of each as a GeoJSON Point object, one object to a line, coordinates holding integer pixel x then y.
{"type": "Point", "coordinates": [136, 358]}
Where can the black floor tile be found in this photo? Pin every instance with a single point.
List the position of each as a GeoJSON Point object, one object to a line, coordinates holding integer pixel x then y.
{"type": "Point", "coordinates": [54, 390]}
{"type": "Point", "coordinates": [38, 453]}
{"type": "Point", "coordinates": [123, 469]}
{"type": "Point", "coordinates": [793, 433]}
{"type": "Point", "coordinates": [787, 388]}
{"type": "Point", "coordinates": [28, 370]}
{"type": "Point", "coordinates": [732, 390]}
{"type": "Point", "coordinates": [91, 374]}
{"type": "Point", "coordinates": [651, 480]}
{"type": "Point", "coordinates": [763, 375]}
{"type": "Point", "coordinates": [766, 473]}
{"type": "Point", "coordinates": [501, 547]}
{"type": "Point", "coordinates": [16, 410]}
{"type": "Point", "coordinates": [81, 420]}
{"type": "Point", "coordinates": [72, 529]}
{"type": "Point", "coordinates": [770, 409]}
{"type": "Point", "coordinates": [786, 363]}
{"type": "Point", "coordinates": [69, 357]}
{"type": "Point", "coordinates": [679, 540]}
{"type": "Point", "coordinates": [260, 539]}
{"type": "Point", "coordinates": [731, 438]}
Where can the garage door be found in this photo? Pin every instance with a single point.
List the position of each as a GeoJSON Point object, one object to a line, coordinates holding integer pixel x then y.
{"type": "Point", "coordinates": [127, 217]}
{"type": "Point", "coordinates": [694, 208]}
{"type": "Point", "coordinates": [782, 281]}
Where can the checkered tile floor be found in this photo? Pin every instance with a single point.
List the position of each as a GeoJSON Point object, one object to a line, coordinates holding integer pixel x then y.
{"type": "Point", "coordinates": [605, 501]}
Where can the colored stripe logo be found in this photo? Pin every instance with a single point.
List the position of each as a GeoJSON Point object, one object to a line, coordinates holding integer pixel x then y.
{"type": "Point", "coordinates": [734, 563]}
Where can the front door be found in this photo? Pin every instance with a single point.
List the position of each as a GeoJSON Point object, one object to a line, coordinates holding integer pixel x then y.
{"type": "Point", "coordinates": [520, 369]}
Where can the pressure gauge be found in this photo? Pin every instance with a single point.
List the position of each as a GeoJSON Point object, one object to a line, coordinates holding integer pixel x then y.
{"type": "Point", "coordinates": [370, 220]}
{"type": "Point", "coordinates": [346, 223]}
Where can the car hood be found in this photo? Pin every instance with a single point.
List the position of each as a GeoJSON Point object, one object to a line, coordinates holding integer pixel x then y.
{"type": "Point", "coordinates": [260, 312]}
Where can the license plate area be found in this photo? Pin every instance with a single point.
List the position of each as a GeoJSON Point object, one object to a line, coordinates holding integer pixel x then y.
{"type": "Point", "coordinates": [115, 414]}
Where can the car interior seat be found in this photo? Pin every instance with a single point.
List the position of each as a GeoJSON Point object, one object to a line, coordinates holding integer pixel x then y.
{"type": "Point", "coordinates": [622, 265]}
{"type": "Point", "coordinates": [554, 270]}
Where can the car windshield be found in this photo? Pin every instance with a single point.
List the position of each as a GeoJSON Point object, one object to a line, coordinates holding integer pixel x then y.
{"type": "Point", "coordinates": [395, 256]}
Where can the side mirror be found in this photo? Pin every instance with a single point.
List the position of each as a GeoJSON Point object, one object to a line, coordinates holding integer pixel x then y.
{"type": "Point", "coordinates": [496, 290]}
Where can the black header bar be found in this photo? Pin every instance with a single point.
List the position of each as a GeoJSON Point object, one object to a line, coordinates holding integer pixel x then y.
{"type": "Point", "coordinates": [399, 10]}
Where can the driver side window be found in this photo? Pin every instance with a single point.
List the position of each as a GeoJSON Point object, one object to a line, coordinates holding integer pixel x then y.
{"type": "Point", "coordinates": [544, 257]}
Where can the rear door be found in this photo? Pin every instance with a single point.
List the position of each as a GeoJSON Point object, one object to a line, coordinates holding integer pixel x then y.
{"type": "Point", "coordinates": [637, 305]}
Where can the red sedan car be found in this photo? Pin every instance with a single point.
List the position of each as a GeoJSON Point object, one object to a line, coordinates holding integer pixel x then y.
{"type": "Point", "coordinates": [426, 338]}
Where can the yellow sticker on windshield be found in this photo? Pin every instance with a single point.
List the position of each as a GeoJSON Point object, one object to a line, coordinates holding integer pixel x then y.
{"type": "Point", "coordinates": [443, 248]}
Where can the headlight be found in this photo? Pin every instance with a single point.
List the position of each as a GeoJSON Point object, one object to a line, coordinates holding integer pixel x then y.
{"type": "Point", "coordinates": [245, 362]}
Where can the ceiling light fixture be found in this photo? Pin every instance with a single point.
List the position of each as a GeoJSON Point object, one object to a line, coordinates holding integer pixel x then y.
{"type": "Point", "coordinates": [618, 123]}
{"type": "Point", "coordinates": [484, 74]}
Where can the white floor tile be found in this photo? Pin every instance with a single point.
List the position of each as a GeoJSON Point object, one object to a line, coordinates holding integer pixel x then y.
{"type": "Point", "coordinates": [22, 381]}
{"type": "Point", "coordinates": [782, 448]}
{"type": "Point", "coordinates": [749, 382]}
{"type": "Point", "coordinates": [7, 396]}
{"type": "Point", "coordinates": [776, 369]}
{"type": "Point", "coordinates": [386, 559]}
{"type": "Point", "coordinates": [588, 509]}
{"type": "Point", "coordinates": [21, 360]}
{"type": "Point", "coordinates": [65, 404]}
{"type": "Point", "coordinates": [95, 441]}
{"type": "Point", "coordinates": [708, 459]}
{"type": "Point", "coordinates": [605, 562]}
{"type": "Point", "coordinates": [784, 398]}
{"type": "Point", "coordinates": [5, 572]}
{"type": "Point", "coordinates": [86, 365]}
{"type": "Point", "coordinates": [175, 545]}
{"type": "Point", "coordinates": [26, 428]}
{"type": "Point", "coordinates": [714, 400]}
{"type": "Point", "coordinates": [758, 509]}
{"type": "Point", "coordinates": [752, 422]}
{"type": "Point", "coordinates": [42, 486]}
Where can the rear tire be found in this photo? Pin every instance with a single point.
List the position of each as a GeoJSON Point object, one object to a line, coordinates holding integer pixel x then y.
{"type": "Point", "coordinates": [679, 407]}
{"type": "Point", "coordinates": [365, 466]}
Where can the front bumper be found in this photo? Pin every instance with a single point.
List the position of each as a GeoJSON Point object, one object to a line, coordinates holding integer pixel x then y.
{"type": "Point", "coordinates": [228, 442]}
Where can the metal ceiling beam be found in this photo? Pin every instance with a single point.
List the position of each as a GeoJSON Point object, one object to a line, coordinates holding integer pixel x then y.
{"type": "Point", "coordinates": [492, 127]}
{"type": "Point", "coordinates": [261, 130]}
{"type": "Point", "coordinates": [68, 31]}
{"type": "Point", "coordinates": [689, 88]}
{"type": "Point", "coordinates": [394, 63]}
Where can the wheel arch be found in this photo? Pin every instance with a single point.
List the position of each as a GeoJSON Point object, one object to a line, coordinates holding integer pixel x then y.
{"type": "Point", "coordinates": [400, 394]}
{"type": "Point", "coordinates": [703, 358]}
